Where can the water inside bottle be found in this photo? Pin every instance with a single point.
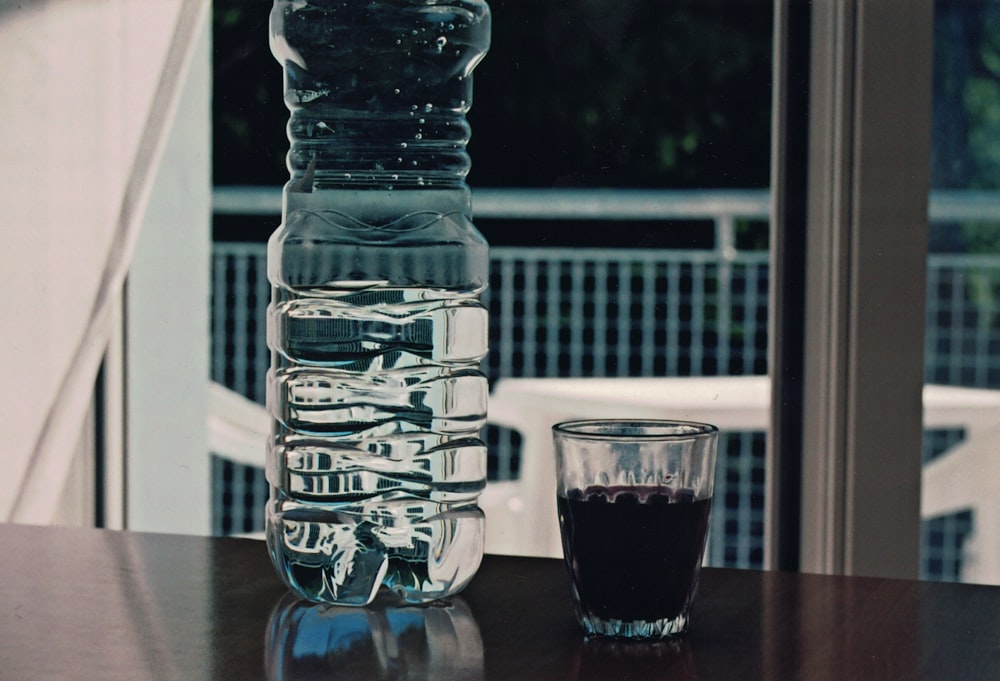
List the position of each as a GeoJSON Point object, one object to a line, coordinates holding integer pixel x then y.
{"type": "Point", "coordinates": [377, 400]}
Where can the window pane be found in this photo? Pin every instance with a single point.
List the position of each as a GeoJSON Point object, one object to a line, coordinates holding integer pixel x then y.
{"type": "Point", "coordinates": [620, 169]}
{"type": "Point", "coordinates": [960, 507]}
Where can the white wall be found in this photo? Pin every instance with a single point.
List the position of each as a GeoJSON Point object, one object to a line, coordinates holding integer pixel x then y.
{"type": "Point", "coordinates": [167, 322]}
{"type": "Point", "coordinates": [77, 146]}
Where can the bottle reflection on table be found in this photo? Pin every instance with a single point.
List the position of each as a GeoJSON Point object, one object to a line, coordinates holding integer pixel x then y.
{"type": "Point", "coordinates": [380, 641]}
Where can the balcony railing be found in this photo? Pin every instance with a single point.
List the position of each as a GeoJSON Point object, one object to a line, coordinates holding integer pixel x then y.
{"type": "Point", "coordinates": [572, 312]}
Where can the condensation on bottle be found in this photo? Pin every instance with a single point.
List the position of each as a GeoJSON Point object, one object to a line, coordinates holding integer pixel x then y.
{"type": "Point", "coordinates": [376, 326]}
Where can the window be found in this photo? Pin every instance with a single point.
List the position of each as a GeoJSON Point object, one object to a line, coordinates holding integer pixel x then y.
{"type": "Point", "coordinates": [961, 533]}
{"type": "Point", "coordinates": [620, 169]}
{"type": "Point", "coordinates": [853, 105]}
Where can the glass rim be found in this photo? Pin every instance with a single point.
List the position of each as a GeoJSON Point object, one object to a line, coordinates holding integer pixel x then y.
{"type": "Point", "coordinates": [634, 430]}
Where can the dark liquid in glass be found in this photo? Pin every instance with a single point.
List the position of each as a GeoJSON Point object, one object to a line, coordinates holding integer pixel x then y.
{"type": "Point", "coordinates": [633, 552]}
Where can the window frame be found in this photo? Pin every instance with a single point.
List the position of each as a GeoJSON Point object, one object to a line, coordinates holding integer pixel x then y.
{"type": "Point", "coordinates": [847, 422]}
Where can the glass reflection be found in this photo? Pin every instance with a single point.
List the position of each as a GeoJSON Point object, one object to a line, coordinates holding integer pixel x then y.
{"type": "Point", "coordinates": [381, 641]}
{"type": "Point", "coordinates": [598, 659]}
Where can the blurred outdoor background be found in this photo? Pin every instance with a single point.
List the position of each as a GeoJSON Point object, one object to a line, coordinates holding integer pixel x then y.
{"type": "Point", "coordinates": [665, 105]}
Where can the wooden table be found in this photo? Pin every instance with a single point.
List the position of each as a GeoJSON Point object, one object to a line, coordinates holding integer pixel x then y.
{"type": "Point", "coordinates": [94, 604]}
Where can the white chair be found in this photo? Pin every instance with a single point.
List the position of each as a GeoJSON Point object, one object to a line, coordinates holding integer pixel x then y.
{"type": "Point", "coordinates": [521, 515]}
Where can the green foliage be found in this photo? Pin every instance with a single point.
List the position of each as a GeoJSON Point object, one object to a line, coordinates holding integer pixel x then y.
{"type": "Point", "coordinates": [249, 142]}
{"type": "Point", "coordinates": [966, 124]}
{"type": "Point", "coordinates": [639, 93]}
{"type": "Point", "coordinates": [983, 97]}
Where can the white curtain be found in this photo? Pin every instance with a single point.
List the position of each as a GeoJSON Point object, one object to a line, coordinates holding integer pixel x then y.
{"type": "Point", "coordinates": [89, 88]}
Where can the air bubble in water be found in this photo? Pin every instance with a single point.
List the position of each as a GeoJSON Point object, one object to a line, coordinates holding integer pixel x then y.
{"type": "Point", "coordinates": [441, 42]}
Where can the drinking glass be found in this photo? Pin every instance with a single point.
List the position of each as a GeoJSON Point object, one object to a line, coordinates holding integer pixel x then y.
{"type": "Point", "coordinates": [634, 499]}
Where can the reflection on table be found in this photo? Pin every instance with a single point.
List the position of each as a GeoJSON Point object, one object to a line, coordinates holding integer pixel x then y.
{"type": "Point", "coordinates": [382, 641]}
{"type": "Point", "coordinates": [95, 604]}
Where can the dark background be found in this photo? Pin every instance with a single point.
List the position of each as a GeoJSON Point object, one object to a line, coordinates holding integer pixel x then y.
{"type": "Point", "coordinates": [668, 94]}
{"type": "Point", "coordinates": [573, 93]}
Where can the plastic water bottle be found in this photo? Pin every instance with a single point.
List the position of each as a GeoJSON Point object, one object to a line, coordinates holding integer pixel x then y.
{"type": "Point", "coordinates": [375, 326]}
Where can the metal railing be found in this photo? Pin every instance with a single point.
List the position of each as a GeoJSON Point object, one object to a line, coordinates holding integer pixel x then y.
{"type": "Point", "coordinates": [558, 311]}
{"type": "Point", "coordinates": [564, 312]}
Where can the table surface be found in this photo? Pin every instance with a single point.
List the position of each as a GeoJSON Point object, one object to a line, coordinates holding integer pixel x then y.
{"type": "Point", "coordinates": [96, 604]}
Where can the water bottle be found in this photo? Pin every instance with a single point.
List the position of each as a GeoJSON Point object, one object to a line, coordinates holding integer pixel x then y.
{"type": "Point", "coordinates": [376, 327]}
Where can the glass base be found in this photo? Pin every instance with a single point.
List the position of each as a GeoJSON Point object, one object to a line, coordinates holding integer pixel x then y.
{"type": "Point", "coordinates": [634, 629]}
